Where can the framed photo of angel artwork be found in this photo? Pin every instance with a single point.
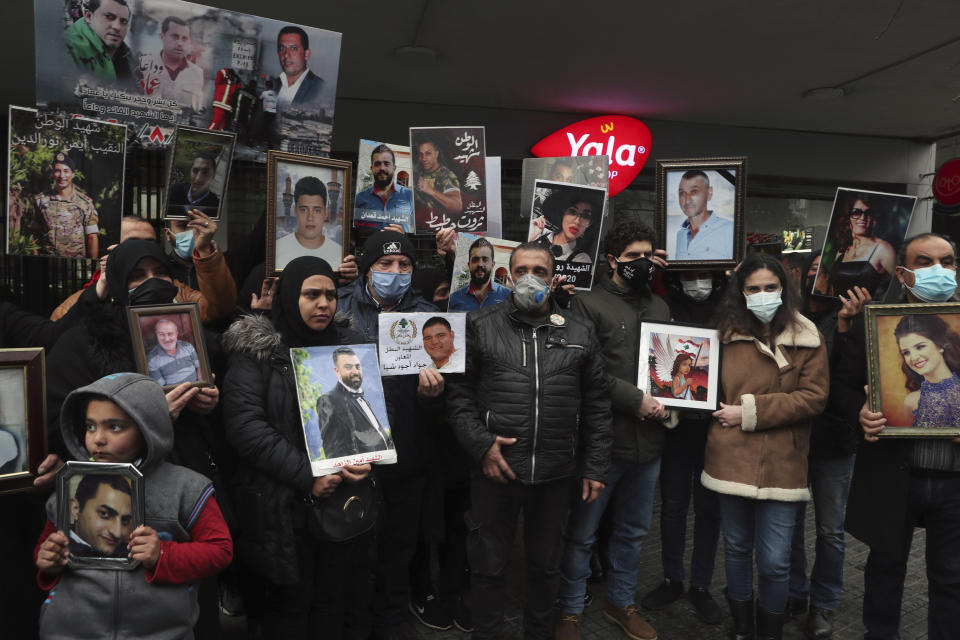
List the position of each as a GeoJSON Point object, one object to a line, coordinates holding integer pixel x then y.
{"type": "Point", "coordinates": [679, 365]}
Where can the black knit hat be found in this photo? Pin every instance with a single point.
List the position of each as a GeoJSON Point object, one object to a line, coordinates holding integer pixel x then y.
{"type": "Point", "coordinates": [385, 243]}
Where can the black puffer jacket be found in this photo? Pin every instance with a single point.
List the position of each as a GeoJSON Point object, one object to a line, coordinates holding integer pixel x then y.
{"type": "Point", "coordinates": [262, 419]}
{"type": "Point", "coordinates": [546, 387]}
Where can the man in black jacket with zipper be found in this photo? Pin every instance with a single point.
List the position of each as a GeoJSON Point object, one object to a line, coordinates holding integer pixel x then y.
{"type": "Point", "coordinates": [533, 410]}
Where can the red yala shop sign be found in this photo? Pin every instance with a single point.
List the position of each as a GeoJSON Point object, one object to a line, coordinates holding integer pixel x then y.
{"type": "Point", "coordinates": [946, 183]}
{"type": "Point", "coordinates": [625, 141]}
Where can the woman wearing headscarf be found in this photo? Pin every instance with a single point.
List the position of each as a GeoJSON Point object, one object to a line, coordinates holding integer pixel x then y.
{"type": "Point", "coordinates": [311, 586]}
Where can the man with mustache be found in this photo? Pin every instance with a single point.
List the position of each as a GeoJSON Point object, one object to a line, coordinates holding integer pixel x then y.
{"type": "Point", "coordinates": [386, 202]}
{"type": "Point", "coordinates": [482, 291]}
{"type": "Point", "coordinates": [348, 425]}
{"type": "Point", "coordinates": [173, 360]}
{"type": "Point", "coordinates": [170, 73]}
{"type": "Point", "coordinates": [65, 219]}
{"type": "Point", "coordinates": [703, 235]}
{"type": "Point", "coordinates": [95, 41]}
{"type": "Point", "coordinates": [102, 515]}
{"type": "Point", "coordinates": [298, 85]}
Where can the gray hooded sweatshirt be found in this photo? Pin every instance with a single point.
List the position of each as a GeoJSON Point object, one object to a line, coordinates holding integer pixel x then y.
{"type": "Point", "coordinates": [100, 603]}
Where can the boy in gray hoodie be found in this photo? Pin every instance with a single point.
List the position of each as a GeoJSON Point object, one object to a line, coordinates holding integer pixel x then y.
{"type": "Point", "coordinates": [123, 417]}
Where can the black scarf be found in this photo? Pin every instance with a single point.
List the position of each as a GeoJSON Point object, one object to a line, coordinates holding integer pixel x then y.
{"type": "Point", "coordinates": [286, 304]}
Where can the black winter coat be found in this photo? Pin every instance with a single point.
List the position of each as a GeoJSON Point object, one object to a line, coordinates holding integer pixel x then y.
{"type": "Point", "coordinates": [413, 418]}
{"type": "Point", "coordinates": [263, 426]}
{"type": "Point", "coordinates": [544, 386]}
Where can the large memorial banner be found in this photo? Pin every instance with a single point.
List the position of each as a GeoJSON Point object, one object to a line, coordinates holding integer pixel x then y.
{"type": "Point", "coordinates": [152, 64]}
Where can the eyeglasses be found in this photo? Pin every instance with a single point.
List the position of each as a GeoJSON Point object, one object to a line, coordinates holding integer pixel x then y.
{"type": "Point", "coordinates": [585, 215]}
{"type": "Point", "coordinates": [859, 213]}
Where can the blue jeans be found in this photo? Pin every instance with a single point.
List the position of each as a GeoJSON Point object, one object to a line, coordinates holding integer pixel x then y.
{"type": "Point", "coordinates": [768, 526]}
{"type": "Point", "coordinates": [830, 484]}
{"type": "Point", "coordinates": [630, 490]}
{"type": "Point", "coordinates": [935, 501]}
{"type": "Point", "coordinates": [679, 477]}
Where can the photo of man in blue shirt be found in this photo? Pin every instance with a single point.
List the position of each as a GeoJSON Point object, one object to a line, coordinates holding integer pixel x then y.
{"type": "Point", "coordinates": [704, 235]}
{"type": "Point", "coordinates": [386, 202]}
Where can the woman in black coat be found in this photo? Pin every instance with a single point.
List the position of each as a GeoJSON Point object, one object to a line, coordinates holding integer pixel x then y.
{"type": "Point", "coordinates": [311, 586]}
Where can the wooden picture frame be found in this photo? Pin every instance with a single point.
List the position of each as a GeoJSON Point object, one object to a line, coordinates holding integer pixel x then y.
{"type": "Point", "coordinates": [663, 347]}
{"type": "Point", "coordinates": [908, 372]}
{"type": "Point", "coordinates": [285, 171]}
{"type": "Point", "coordinates": [153, 357]}
{"type": "Point", "coordinates": [23, 442]}
{"type": "Point", "coordinates": [189, 145]}
{"type": "Point", "coordinates": [111, 487]}
{"type": "Point", "coordinates": [722, 245]}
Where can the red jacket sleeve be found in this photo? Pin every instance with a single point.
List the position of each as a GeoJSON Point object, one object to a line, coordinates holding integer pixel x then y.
{"type": "Point", "coordinates": [44, 580]}
{"type": "Point", "coordinates": [210, 551]}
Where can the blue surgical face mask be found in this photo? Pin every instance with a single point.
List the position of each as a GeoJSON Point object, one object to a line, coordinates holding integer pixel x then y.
{"type": "Point", "coordinates": [764, 304]}
{"type": "Point", "coordinates": [184, 244]}
{"type": "Point", "coordinates": [933, 283]}
{"type": "Point", "coordinates": [388, 285]}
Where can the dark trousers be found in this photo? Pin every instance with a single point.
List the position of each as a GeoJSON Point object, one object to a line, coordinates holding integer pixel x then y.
{"type": "Point", "coordinates": [934, 502]}
{"type": "Point", "coordinates": [398, 533]}
{"type": "Point", "coordinates": [332, 598]}
{"type": "Point", "coordinates": [453, 579]}
{"type": "Point", "coordinates": [494, 511]}
{"type": "Point", "coordinates": [680, 468]}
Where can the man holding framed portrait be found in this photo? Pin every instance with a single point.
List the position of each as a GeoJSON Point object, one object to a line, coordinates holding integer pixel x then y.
{"type": "Point", "coordinates": [901, 484]}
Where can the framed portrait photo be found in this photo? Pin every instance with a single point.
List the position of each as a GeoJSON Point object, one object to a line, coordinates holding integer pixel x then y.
{"type": "Point", "coordinates": [700, 211]}
{"type": "Point", "coordinates": [342, 408]}
{"type": "Point", "coordinates": [865, 231]}
{"type": "Point", "coordinates": [99, 504]}
{"type": "Point", "coordinates": [680, 365]}
{"type": "Point", "coordinates": [913, 362]}
{"type": "Point", "coordinates": [198, 173]}
{"type": "Point", "coordinates": [168, 344]}
{"type": "Point", "coordinates": [22, 417]}
{"type": "Point", "coordinates": [308, 209]}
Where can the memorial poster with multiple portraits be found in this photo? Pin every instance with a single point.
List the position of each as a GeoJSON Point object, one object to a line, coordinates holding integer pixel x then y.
{"type": "Point", "coordinates": [64, 184]}
{"type": "Point", "coordinates": [153, 64]}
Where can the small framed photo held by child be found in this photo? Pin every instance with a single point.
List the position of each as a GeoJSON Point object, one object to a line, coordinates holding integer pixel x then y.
{"type": "Point", "coordinates": [98, 505]}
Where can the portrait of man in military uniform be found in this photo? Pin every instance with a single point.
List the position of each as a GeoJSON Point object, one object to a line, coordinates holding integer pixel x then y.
{"type": "Point", "coordinates": [67, 225]}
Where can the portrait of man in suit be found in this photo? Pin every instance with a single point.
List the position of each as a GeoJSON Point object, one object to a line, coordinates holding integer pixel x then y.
{"type": "Point", "coordinates": [348, 425]}
{"type": "Point", "coordinates": [298, 85]}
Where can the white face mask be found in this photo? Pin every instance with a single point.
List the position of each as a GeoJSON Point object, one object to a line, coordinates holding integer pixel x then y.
{"type": "Point", "coordinates": [699, 289]}
{"type": "Point", "coordinates": [764, 304]}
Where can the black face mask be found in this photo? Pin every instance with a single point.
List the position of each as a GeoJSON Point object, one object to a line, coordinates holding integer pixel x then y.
{"type": "Point", "coordinates": [636, 273]}
{"type": "Point", "coordinates": [153, 291]}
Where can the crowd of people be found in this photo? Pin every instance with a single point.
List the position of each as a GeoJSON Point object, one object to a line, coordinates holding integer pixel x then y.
{"type": "Point", "coordinates": [546, 427]}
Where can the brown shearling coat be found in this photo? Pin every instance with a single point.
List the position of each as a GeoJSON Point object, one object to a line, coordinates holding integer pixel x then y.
{"type": "Point", "coordinates": [781, 391]}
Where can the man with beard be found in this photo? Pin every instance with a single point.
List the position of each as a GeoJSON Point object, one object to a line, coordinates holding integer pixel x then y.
{"type": "Point", "coordinates": [195, 194]}
{"type": "Point", "coordinates": [385, 202]}
{"type": "Point", "coordinates": [95, 41]}
{"type": "Point", "coordinates": [348, 425]}
{"type": "Point", "coordinates": [482, 291]}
